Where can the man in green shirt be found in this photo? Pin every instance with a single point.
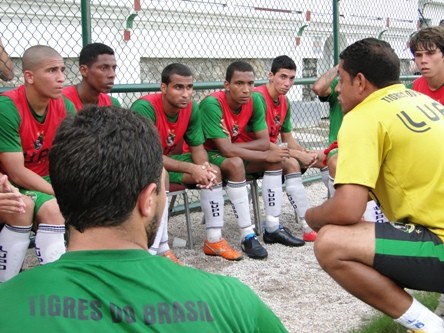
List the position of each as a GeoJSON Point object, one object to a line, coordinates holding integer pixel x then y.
{"type": "Point", "coordinates": [325, 88]}
{"type": "Point", "coordinates": [177, 119]}
{"type": "Point", "coordinates": [107, 281]}
{"type": "Point", "coordinates": [30, 116]}
{"type": "Point", "coordinates": [234, 126]}
{"type": "Point", "coordinates": [97, 65]}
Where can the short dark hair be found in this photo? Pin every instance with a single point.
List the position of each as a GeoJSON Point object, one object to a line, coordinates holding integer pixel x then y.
{"type": "Point", "coordinates": [427, 39]}
{"type": "Point", "coordinates": [100, 161]}
{"type": "Point", "coordinates": [90, 52]}
{"type": "Point", "coordinates": [375, 59]}
{"type": "Point", "coordinates": [237, 66]}
{"type": "Point", "coordinates": [282, 62]}
{"type": "Point", "coordinates": [175, 68]}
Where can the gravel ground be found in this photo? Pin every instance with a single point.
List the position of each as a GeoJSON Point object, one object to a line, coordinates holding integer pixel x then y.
{"type": "Point", "coordinates": [290, 280]}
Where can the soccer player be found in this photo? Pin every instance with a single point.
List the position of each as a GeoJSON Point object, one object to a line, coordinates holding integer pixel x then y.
{"type": "Point", "coordinates": [176, 118]}
{"type": "Point", "coordinates": [107, 282]}
{"type": "Point", "coordinates": [30, 116]}
{"type": "Point", "coordinates": [16, 213]}
{"type": "Point", "coordinates": [97, 65]}
{"type": "Point", "coordinates": [385, 124]}
{"type": "Point", "coordinates": [278, 118]}
{"type": "Point", "coordinates": [228, 117]}
{"type": "Point", "coordinates": [325, 88]}
{"type": "Point", "coordinates": [427, 47]}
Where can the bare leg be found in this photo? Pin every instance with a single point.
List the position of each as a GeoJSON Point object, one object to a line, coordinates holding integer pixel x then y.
{"type": "Point", "coordinates": [350, 261]}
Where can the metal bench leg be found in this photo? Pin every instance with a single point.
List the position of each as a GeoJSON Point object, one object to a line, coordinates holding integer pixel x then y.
{"type": "Point", "coordinates": [256, 211]}
{"type": "Point", "coordinates": [188, 220]}
{"type": "Point", "coordinates": [171, 205]}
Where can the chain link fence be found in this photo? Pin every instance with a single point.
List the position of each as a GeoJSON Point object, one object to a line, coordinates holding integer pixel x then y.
{"type": "Point", "coordinates": [207, 35]}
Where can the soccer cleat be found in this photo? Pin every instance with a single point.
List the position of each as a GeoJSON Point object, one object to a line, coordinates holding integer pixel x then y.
{"type": "Point", "coordinates": [252, 248]}
{"type": "Point", "coordinates": [282, 236]}
{"type": "Point", "coordinates": [221, 248]}
{"type": "Point", "coordinates": [170, 255]}
{"type": "Point", "coordinates": [309, 236]}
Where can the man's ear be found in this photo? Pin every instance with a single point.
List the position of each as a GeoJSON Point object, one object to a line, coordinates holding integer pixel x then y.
{"type": "Point", "coordinates": [146, 199]}
{"type": "Point", "coordinates": [361, 81]}
{"type": "Point", "coordinates": [83, 70]}
{"type": "Point", "coordinates": [227, 85]}
{"type": "Point", "coordinates": [28, 76]}
{"type": "Point", "coordinates": [270, 76]}
{"type": "Point", "coordinates": [163, 88]}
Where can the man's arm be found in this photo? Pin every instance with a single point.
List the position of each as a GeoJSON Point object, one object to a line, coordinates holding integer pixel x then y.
{"type": "Point", "coordinates": [229, 149]}
{"type": "Point", "coordinates": [14, 165]}
{"type": "Point", "coordinates": [201, 174]}
{"type": "Point", "coordinates": [261, 142]}
{"type": "Point", "coordinates": [304, 157]}
{"type": "Point", "coordinates": [346, 207]}
{"type": "Point", "coordinates": [6, 66]}
{"type": "Point", "coordinates": [213, 126]}
{"type": "Point", "coordinates": [322, 85]}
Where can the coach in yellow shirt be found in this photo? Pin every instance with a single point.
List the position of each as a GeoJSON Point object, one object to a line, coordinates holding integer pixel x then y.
{"type": "Point", "coordinates": [391, 148]}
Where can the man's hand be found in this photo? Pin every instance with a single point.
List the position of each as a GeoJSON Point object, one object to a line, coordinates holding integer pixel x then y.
{"type": "Point", "coordinates": [277, 155]}
{"type": "Point", "coordinates": [204, 175]}
{"type": "Point", "coordinates": [307, 158]}
{"type": "Point", "coordinates": [10, 198]}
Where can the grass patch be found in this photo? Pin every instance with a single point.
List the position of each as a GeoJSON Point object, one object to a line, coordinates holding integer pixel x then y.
{"type": "Point", "coordinates": [381, 323]}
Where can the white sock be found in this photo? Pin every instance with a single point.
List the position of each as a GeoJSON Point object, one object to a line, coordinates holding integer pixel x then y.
{"type": "Point", "coordinates": [419, 317]}
{"type": "Point", "coordinates": [49, 242]}
{"type": "Point", "coordinates": [305, 227]}
{"type": "Point", "coordinates": [440, 308]}
{"type": "Point", "coordinates": [373, 213]}
{"type": "Point", "coordinates": [331, 188]}
{"type": "Point", "coordinates": [296, 193]}
{"type": "Point", "coordinates": [212, 202]}
{"type": "Point", "coordinates": [164, 246]}
{"type": "Point", "coordinates": [271, 223]}
{"type": "Point", "coordinates": [324, 176]}
{"type": "Point", "coordinates": [14, 242]}
{"type": "Point", "coordinates": [272, 194]}
{"type": "Point", "coordinates": [155, 247]}
{"type": "Point", "coordinates": [238, 194]}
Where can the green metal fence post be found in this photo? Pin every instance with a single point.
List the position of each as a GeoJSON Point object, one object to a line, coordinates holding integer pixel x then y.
{"type": "Point", "coordinates": [86, 21]}
{"type": "Point", "coordinates": [335, 32]}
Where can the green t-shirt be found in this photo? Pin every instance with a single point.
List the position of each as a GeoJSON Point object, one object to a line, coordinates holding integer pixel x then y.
{"type": "Point", "coordinates": [212, 116]}
{"type": "Point", "coordinates": [336, 114]}
{"type": "Point", "coordinates": [10, 119]}
{"type": "Point", "coordinates": [115, 102]}
{"type": "Point", "coordinates": [193, 135]}
{"type": "Point", "coordinates": [129, 291]}
{"type": "Point", "coordinates": [286, 125]}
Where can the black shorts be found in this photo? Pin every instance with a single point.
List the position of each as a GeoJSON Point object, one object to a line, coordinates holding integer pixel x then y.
{"type": "Point", "coordinates": [410, 255]}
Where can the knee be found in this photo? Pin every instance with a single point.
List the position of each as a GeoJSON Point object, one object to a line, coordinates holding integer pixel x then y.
{"type": "Point", "coordinates": [326, 246]}
{"type": "Point", "coordinates": [233, 167]}
{"type": "Point", "coordinates": [291, 165]}
{"type": "Point", "coordinates": [50, 213]}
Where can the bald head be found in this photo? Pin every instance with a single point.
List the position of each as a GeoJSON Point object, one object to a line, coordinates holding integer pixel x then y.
{"type": "Point", "coordinates": [33, 56]}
